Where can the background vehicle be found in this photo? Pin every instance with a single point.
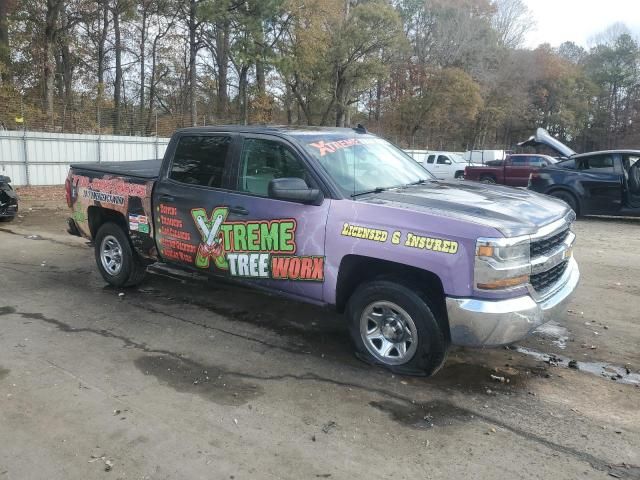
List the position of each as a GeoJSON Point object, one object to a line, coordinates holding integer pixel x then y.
{"type": "Point", "coordinates": [8, 200]}
{"type": "Point", "coordinates": [418, 155]}
{"type": "Point", "coordinates": [514, 171]}
{"type": "Point", "coordinates": [445, 165]}
{"type": "Point", "coordinates": [606, 182]}
{"type": "Point", "coordinates": [341, 218]}
{"type": "Point", "coordinates": [481, 157]}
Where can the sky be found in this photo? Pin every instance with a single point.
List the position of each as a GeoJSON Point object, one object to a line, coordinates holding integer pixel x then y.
{"type": "Point", "coordinates": [578, 20]}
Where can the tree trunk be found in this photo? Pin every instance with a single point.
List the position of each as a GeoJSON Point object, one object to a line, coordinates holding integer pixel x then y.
{"type": "Point", "coordinates": [378, 99]}
{"type": "Point", "coordinates": [143, 41]}
{"type": "Point", "coordinates": [58, 81]}
{"type": "Point", "coordinates": [341, 103]}
{"type": "Point", "coordinates": [222, 62]}
{"type": "Point", "coordinates": [193, 51]}
{"type": "Point", "coordinates": [152, 84]}
{"type": "Point", "coordinates": [50, 32]}
{"type": "Point", "coordinates": [5, 57]}
{"type": "Point", "coordinates": [260, 67]}
{"type": "Point", "coordinates": [117, 92]}
{"type": "Point", "coordinates": [101, 57]}
{"type": "Point", "coordinates": [242, 94]}
{"type": "Point", "coordinates": [287, 103]}
{"type": "Point", "coordinates": [66, 61]}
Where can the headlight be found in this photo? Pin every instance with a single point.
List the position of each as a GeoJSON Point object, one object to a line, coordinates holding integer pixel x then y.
{"type": "Point", "coordinates": [502, 263]}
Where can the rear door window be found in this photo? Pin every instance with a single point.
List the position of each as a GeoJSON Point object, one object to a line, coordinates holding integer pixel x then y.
{"type": "Point", "coordinates": [519, 161]}
{"type": "Point", "coordinates": [537, 162]}
{"type": "Point", "coordinates": [431, 158]}
{"type": "Point", "coordinates": [200, 160]}
{"type": "Point", "coordinates": [600, 163]}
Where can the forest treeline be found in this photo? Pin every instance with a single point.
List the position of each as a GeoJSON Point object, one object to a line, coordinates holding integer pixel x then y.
{"type": "Point", "coordinates": [425, 73]}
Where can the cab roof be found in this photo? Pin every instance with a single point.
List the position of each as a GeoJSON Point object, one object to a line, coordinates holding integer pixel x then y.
{"type": "Point", "coordinates": [282, 129]}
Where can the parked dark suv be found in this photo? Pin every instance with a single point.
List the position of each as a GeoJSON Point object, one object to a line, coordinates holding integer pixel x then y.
{"type": "Point", "coordinates": [606, 182]}
{"type": "Point", "coordinates": [8, 200]}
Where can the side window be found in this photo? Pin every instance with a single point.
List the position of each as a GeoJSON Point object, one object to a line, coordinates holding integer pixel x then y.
{"type": "Point", "coordinates": [537, 162]}
{"type": "Point", "coordinates": [601, 163]}
{"type": "Point", "coordinates": [199, 160]}
{"type": "Point", "coordinates": [431, 158]}
{"type": "Point", "coordinates": [264, 160]}
{"type": "Point", "coordinates": [519, 161]}
{"type": "Point", "coordinates": [442, 159]}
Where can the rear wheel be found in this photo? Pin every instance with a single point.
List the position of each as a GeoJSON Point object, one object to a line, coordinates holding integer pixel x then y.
{"type": "Point", "coordinates": [567, 198]}
{"type": "Point", "coordinates": [117, 262]}
{"type": "Point", "coordinates": [393, 325]}
{"type": "Point", "coordinates": [487, 179]}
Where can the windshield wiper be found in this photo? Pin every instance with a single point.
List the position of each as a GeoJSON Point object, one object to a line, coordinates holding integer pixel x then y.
{"type": "Point", "coordinates": [375, 190]}
{"type": "Point", "coordinates": [419, 182]}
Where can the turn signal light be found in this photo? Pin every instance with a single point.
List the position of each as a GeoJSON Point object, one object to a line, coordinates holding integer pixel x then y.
{"type": "Point", "coordinates": [505, 283]}
{"type": "Point", "coordinates": [485, 251]}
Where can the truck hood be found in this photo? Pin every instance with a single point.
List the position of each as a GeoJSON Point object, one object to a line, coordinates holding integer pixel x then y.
{"type": "Point", "coordinates": [511, 211]}
{"type": "Point", "coordinates": [542, 137]}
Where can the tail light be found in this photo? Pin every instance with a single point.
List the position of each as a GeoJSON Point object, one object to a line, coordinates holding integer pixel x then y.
{"type": "Point", "coordinates": [67, 191]}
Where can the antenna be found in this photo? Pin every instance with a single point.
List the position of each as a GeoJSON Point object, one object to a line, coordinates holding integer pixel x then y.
{"type": "Point", "coordinates": [354, 160]}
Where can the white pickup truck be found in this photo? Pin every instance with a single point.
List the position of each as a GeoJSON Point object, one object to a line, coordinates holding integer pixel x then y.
{"type": "Point", "coordinates": [444, 165]}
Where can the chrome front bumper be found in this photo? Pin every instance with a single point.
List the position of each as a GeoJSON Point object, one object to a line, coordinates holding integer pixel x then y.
{"type": "Point", "coordinates": [490, 323]}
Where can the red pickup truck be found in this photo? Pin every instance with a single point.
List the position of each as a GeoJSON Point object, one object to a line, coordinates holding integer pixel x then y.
{"type": "Point", "coordinates": [513, 171]}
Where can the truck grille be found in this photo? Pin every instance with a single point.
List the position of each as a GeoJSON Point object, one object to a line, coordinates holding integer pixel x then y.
{"type": "Point", "coordinates": [542, 281]}
{"type": "Point", "coordinates": [546, 245]}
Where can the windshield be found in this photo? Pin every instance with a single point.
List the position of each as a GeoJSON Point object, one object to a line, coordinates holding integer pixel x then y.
{"type": "Point", "coordinates": [363, 163]}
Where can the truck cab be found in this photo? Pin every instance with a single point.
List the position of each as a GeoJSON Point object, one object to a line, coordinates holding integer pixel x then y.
{"type": "Point", "coordinates": [513, 171]}
{"type": "Point", "coordinates": [445, 165]}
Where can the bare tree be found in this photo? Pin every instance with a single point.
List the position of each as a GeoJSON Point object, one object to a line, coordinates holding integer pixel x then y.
{"type": "Point", "coordinates": [512, 21]}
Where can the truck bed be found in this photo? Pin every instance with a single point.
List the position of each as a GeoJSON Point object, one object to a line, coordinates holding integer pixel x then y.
{"type": "Point", "coordinates": [147, 169]}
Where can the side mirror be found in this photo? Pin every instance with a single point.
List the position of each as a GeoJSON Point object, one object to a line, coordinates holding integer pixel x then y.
{"type": "Point", "coordinates": [294, 190]}
{"type": "Point", "coordinates": [447, 162]}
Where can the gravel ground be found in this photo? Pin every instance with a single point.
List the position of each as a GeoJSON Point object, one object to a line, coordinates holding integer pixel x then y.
{"type": "Point", "coordinates": [188, 378]}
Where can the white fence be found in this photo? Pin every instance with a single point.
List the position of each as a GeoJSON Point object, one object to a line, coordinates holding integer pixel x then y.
{"type": "Point", "coordinates": [36, 158]}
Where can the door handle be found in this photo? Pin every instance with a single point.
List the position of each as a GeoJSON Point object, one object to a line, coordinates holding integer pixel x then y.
{"type": "Point", "coordinates": [238, 210]}
{"type": "Point", "coordinates": [167, 198]}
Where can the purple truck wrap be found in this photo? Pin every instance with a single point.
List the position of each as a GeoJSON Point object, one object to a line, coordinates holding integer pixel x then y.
{"type": "Point", "coordinates": [337, 217]}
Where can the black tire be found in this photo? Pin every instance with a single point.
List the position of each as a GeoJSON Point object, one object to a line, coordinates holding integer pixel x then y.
{"type": "Point", "coordinates": [487, 179]}
{"type": "Point", "coordinates": [132, 270]}
{"type": "Point", "coordinates": [567, 198]}
{"type": "Point", "coordinates": [7, 219]}
{"type": "Point", "coordinates": [459, 175]}
{"type": "Point", "coordinates": [432, 344]}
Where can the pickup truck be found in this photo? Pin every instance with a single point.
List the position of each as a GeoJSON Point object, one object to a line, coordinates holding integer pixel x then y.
{"type": "Point", "coordinates": [445, 165]}
{"type": "Point", "coordinates": [338, 218]}
{"type": "Point", "coordinates": [513, 171]}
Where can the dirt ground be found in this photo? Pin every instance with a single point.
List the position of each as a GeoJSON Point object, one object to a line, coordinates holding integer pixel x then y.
{"type": "Point", "coordinates": [188, 378]}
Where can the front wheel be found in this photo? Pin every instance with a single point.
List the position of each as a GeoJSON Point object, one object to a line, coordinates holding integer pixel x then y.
{"type": "Point", "coordinates": [487, 179]}
{"type": "Point", "coordinates": [567, 198]}
{"type": "Point", "coordinates": [117, 262]}
{"type": "Point", "coordinates": [393, 325]}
